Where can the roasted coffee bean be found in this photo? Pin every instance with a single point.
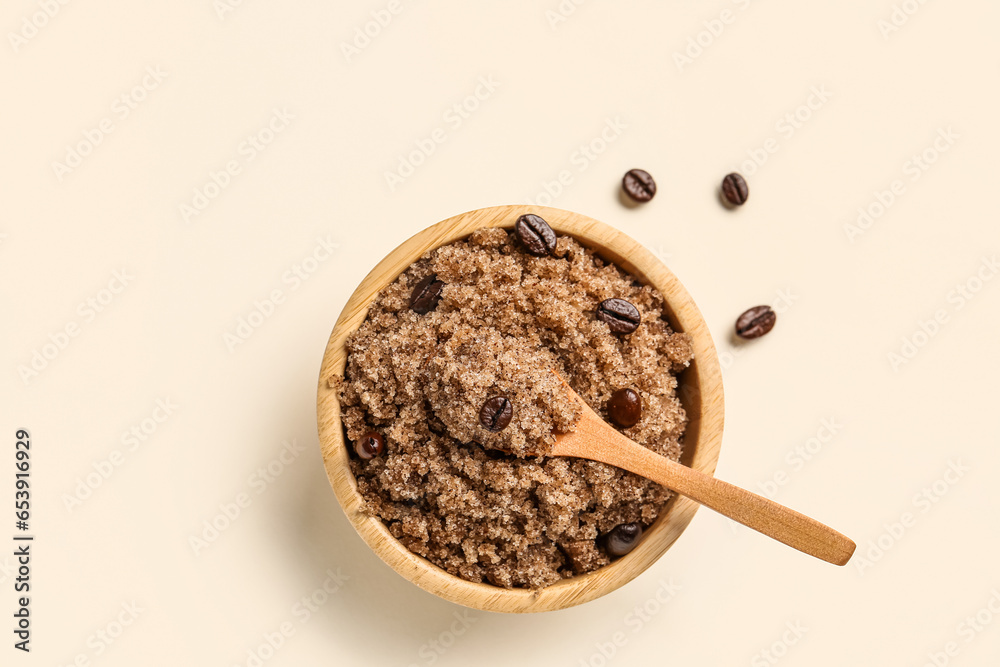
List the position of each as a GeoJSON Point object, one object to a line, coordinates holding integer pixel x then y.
{"type": "Point", "coordinates": [425, 295]}
{"type": "Point", "coordinates": [496, 413]}
{"type": "Point", "coordinates": [623, 538]}
{"type": "Point", "coordinates": [639, 185]}
{"type": "Point", "coordinates": [370, 445]}
{"type": "Point", "coordinates": [755, 322]}
{"type": "Point", "coordinates": [536, 235]}
{"type": "Point", "coordinates": [625, 408]}
{"type": "Point", "coordinates": [735, 190]}
{"type": "Point", "coordinates": [620, 315]}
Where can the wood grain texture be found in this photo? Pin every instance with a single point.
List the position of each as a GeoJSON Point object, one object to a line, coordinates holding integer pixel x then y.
{"type": "Point", "coordinates": [597, 440]}
{"type": "Point", "coordinates": [701, 396]}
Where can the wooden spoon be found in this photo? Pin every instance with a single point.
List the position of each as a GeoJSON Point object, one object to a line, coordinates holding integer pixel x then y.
{"type": "Point", "coordinates": [597, 440]}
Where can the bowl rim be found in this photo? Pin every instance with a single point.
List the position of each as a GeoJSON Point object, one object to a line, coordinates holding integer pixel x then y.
{"type": "Point", "coordinates": [700, 392]}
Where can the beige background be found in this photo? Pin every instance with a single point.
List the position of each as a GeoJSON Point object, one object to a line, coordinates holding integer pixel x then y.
{"type": "Point", "coordinates": [847, 301]}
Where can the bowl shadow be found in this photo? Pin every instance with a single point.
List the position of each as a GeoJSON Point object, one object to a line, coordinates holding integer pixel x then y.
{"type": "Point", "coordinates": [374, 601]}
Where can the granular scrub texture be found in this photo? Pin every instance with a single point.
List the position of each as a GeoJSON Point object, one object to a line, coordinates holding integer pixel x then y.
{"type": "Point", "coordinates": [453, 367]}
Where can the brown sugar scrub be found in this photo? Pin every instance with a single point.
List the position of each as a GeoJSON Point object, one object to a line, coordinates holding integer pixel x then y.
{"type": "Point", "coordinates": [450, 392]}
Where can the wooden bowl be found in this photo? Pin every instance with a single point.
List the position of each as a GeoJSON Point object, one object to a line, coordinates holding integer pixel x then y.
{"type": "Point", "coordinates": [700, 393]}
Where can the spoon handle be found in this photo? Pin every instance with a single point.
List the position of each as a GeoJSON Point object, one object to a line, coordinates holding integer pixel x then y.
{"type": "Point", "coordinates": [765, 516]}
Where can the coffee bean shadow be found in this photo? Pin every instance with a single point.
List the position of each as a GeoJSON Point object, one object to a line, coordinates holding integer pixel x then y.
{"type": "Point", "coordinates": [737, 342]}
{"type": "Point", "coordinates": [625, 200]}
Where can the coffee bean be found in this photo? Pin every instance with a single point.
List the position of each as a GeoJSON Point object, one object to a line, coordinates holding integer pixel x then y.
{"type": "Point", "coordinates": [620, 315]}
{"type": "Point", "coordinates": [625, 408]}
{"type": "Point", "coordinates": [538, 238]}
{"type": "Point", "coordinates": [425, 295]}
{"type": "Point", "coordinates": [370, 445]}
{"type": "Point", "coordinates": [639, 185]}
{"type": "Point", "coordinates": [496, 413]}
{"type": "Point", "coordinates": [735, 189]}
{"type": "Point", "coordinates": [755, 322]}
{"type": "Point", "coordinates": [623, 538]}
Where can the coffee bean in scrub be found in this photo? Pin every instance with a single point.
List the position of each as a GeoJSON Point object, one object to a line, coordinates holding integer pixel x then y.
{"type": "Point", "coordinates": [453, 370]}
